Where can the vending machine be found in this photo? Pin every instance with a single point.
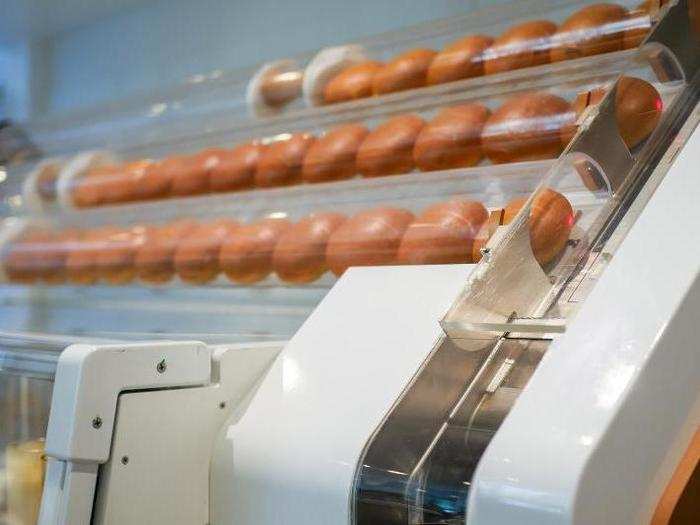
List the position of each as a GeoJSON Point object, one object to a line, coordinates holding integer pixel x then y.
{"type": "Point", "coordinates": [445, 275]}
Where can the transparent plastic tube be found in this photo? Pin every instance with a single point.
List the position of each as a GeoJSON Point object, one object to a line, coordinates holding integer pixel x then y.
{"type": "Point", "coordinates": [459, 131]}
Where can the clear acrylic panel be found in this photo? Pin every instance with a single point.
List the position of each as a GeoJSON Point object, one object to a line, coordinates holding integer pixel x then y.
{"type": "Point", "coordinates": [477, 156]}
{"type": "Point", "coordinates": [26, 384]}
{"type": "Point", "coordinates": [544, 239]}
{"type": "Point", "coordinates": [418, 466]}
{"type": "Point", "coordinates": [486, 45]}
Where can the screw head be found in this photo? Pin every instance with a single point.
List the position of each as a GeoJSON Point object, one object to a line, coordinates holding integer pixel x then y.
{"type": "Point", "coordinates": [125, 460]}
{"type": "Point", "coordinates": [162, 366]}
{"type": "Point", "coordinates": [222, 405]}
{"type": "Point", "coordinates": [96, 422]}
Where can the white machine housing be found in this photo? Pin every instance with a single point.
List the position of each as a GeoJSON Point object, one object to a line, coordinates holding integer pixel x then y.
{"type": "Point", "coordinates": [271, 434]}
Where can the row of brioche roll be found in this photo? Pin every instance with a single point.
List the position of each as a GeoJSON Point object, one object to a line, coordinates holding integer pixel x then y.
{"type": "Point", "coordinates": [592, 30]}
{"type": "Point", "coordinates": [529, 126]}
{"type": "Point", "coordinates": [299, 252]}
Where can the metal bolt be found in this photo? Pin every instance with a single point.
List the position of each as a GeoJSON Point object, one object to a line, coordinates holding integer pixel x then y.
{"type": "Point", "coordinates": [162, 366]}
{"type": "Point", "coordinates": [96, 422]}
{"type": "Point", "coordinates": [125, 460]}
{"type": "Point", "coordinates": [222, 405]}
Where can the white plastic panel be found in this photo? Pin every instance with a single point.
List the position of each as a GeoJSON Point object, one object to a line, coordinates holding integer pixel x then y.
{"type": "Point", "coordinates": [158, 472]}
{"type": "Point", "coordinates": [619, 389]}
{"type": "Point", "coordinates": [292, 455]}
{"type": "Point", "coordinates": [85, 393]}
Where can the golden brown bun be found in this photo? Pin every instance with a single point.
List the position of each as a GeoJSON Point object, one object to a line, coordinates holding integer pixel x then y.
{"type": "Point", "coordinates": [281, 87]}
{"type": "Point", "coordinates": [115, 260]}
{"type": "Point", "coordinates": [54, 255]}
{"type": "Point", "coordinates": [451, 139]}
{"type": "Point", "coordinates": [407, 71]}
{"type": "Point", "coordinates": [117, 183]}
{"type": "Point", "coordinates": [527, 127]}
{"type": "Point", "coordinates": [523, 45]}
{"type": "Point", "coordinates": [369, 238]}
{"type": "Point", "coordinates": [638, 25]}
{"type": "Point", "coordinates": [638, 108]}
{"type": "Point", "coordinates": [85, 191]}
{"type": "Point", "coordinates": [443, 234]}
{"type": "Point", "coordinates": [90, 189]}
{"type": "Point", "coordinates": [352, 83]}
{"type": "Point", "coordinates": [23, 257]}
{"type": "Point", "coordinates": [233, 170]}
{"type": "Point", "coordinates": [125, 187]}
{"type": "Point", "coordinates": [120, 186]}
{"type": "Point", "coordinates": [388, 149]}
{"type": "Point", "coordinates": [592, 30]}
{"type": "Point", "coordinates": [46, 183]}
{"type": "Point", "coordinates": [300, 253]}
{"type": "Point", "coordinates": [101, 185]}
{"type": "Point", "coordinates": [512, 209]}
{"type": "Point", "coordinates": [155, 182]}
{"type": "Point", "coordinates": [332, 156]}
{"type": "Point", "coordinates": [155, 258]}
{"type": "Point", "coordinates": [81, 261]}
{"type": "Point", "coordinates": [551, 221]}
{"type": "Point", "coordinates": [461, 59]}
{"type": "Point", "coordinates": [246, 254]}
{"type": "Point", "coordinates": [197, 253]}
{"type": "Point", "coordinates": [648, 5]}
{"type": "Point", "coordinates": [188, 173]}
{"type": "Point", "coordinates": [176, 175]}
{"type": "Point", "coordinates": [280, 161]}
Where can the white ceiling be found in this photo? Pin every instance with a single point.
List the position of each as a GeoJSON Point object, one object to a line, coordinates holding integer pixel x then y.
{"type": "Point", "coordinates": [22, 19]}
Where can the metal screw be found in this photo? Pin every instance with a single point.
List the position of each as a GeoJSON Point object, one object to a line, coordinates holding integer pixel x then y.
{"type": "Point", "coordinates": [222, 405]}
{"type": "Point", "coordinates": [96, 422]}
{"type": "Point", "coordinates": [162, 366]}
{"type": "Point", "coordinates": [125, 460]}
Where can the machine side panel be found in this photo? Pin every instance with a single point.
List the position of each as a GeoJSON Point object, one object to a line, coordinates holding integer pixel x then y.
{"type": "Point", "coordinates": [618, 392]}
{"type": "Point", "coordinates": [158, 470]}
{"type": "Point", "coordinates": [291, 456]}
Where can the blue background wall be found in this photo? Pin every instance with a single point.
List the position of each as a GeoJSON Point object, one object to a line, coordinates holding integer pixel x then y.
{"type": "Point", "coordinates": [157, 43]}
